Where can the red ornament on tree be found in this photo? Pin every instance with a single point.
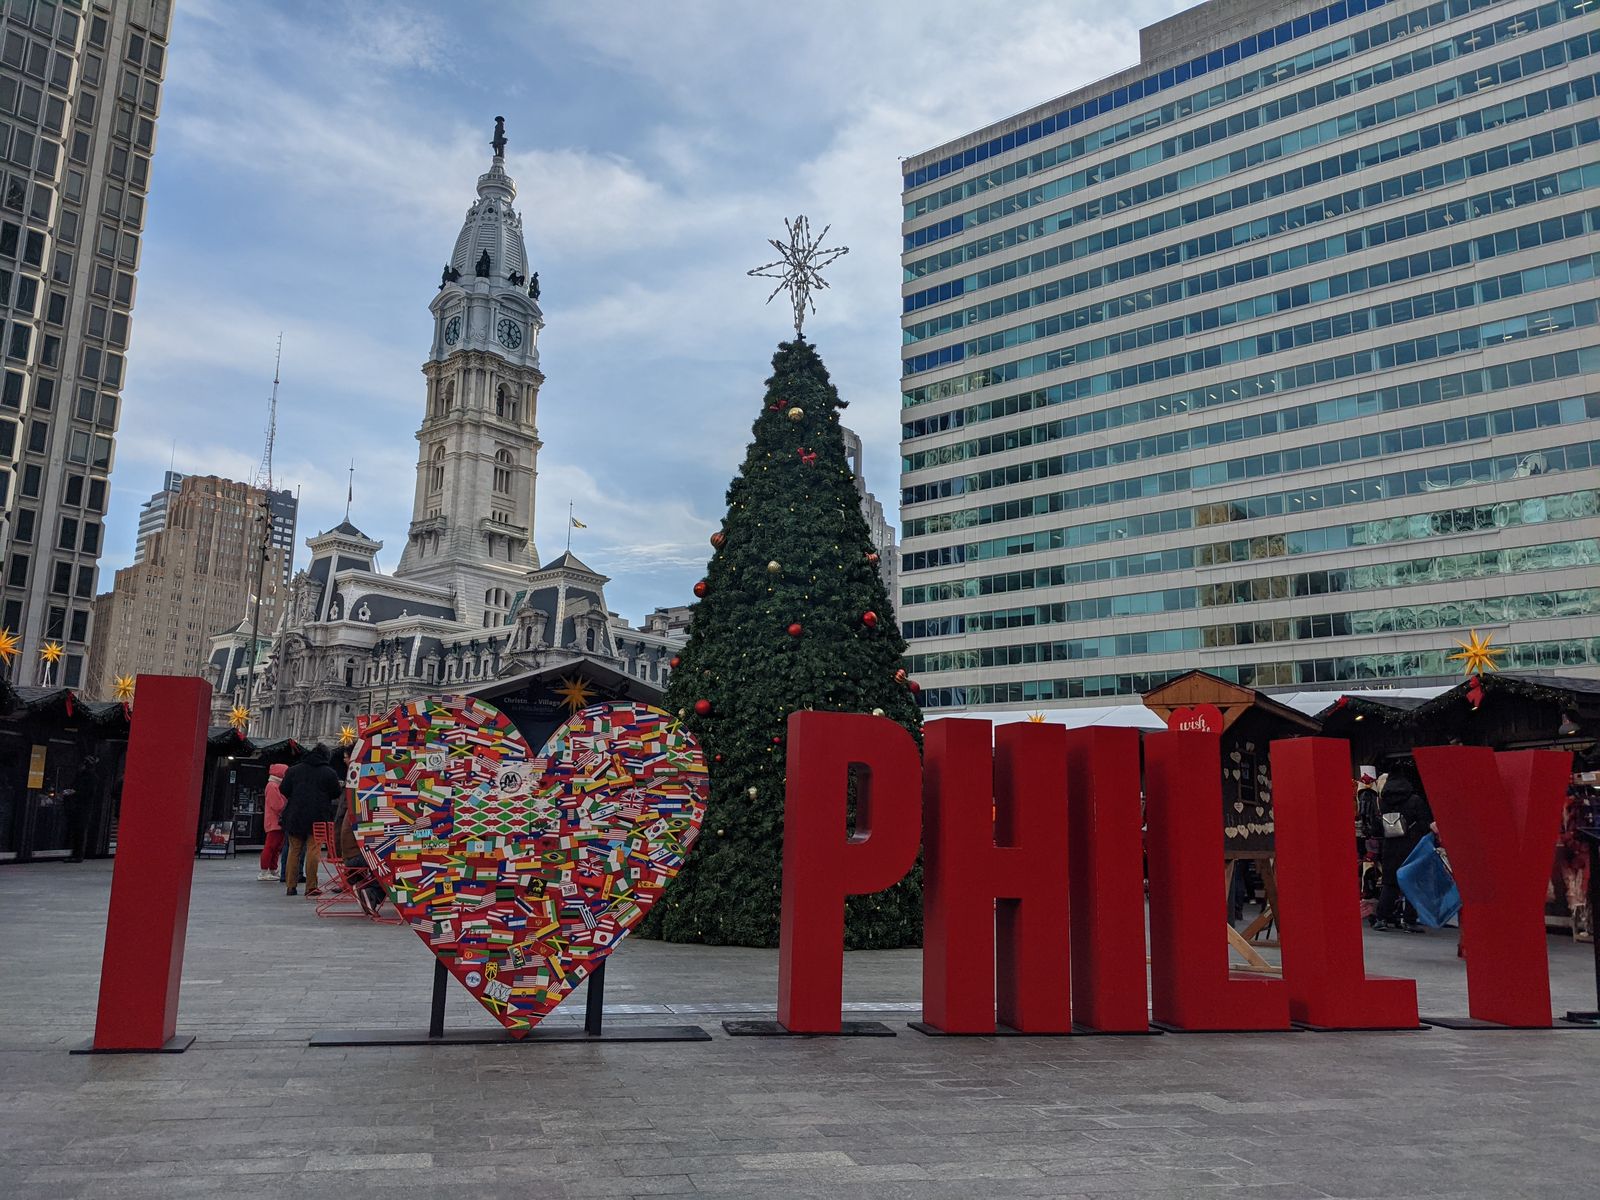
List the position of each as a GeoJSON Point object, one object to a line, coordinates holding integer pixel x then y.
{"type": "Point", "coordinates": [869, 619]}
{"type": "Point", "coordinates": [900, 675]}
{"type": "Point", "coordinates": [674, 662]}
{"type": "Point", "coordinates": [702, 708]}
{"type": "Point", "coordinates": [914, 686]}
{"type": "Point", "coordinates": [701, 588]}
{"type": "Point", "coordinates": [777, 741]}
{"type": "Point", "coordinates": [718, 538]}
{"type": "Point", "coordinates": [796, 629]}
{"type": "Point", "coordinates": [872, 557]}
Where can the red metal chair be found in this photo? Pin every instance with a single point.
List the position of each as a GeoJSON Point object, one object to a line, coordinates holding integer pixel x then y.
{"type": "Point", "coordinates": [342, 886]}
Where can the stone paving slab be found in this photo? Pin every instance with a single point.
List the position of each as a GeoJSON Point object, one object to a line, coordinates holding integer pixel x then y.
{"type": "Point", "coordinates": [252, 1111]}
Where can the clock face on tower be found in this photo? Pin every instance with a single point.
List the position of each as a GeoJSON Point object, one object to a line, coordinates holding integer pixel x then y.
{"type": "Point", "coordinates": [510, 333]}
{"type": "Point", "coordinates": [452, 330]}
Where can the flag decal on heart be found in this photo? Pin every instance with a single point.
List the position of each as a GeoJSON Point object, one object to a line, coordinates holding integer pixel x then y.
{"type": "Point", "coordinates": [522, 872]}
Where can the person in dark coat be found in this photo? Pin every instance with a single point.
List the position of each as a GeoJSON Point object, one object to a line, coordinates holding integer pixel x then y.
{"type": "Point", "coordinates": [1405, 818]}
{"type": "Point", "coordinates": [81, 798]}
{"type": "Point", "coordinates": [309, 787]}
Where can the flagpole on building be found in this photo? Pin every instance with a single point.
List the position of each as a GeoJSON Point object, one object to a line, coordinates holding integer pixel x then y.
{"type": "Point", "coordinates": [569, 526]}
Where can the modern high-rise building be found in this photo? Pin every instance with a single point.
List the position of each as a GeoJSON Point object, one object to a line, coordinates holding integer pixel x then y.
{"type": "Point", "coordinates": [878, 528]}
{"type": "Point", "coordinates": [198, 577]}
{"type": "Point", "coordinates": [153, 513]}
{"type": "Point", "coordinates": [80, 89]}
{"type": "Point", "coordinates": [1276, 355]}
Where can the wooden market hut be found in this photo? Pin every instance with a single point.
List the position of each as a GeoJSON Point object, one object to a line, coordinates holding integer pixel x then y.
{"type": "Point", "coordinates": [46, 735]}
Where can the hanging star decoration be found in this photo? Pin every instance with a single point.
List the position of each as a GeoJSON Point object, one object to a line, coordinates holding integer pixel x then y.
{"type": "Point", "coordinates": [124, 689]}
{"type": "Point", "coordinates": [239, 717]}
{"type": "Point", "coordinates": [51, 652]}
{"type": "Point", "coordinates": [1477, 655]}
{"type": "Point", "coordinates": [798, 270]}
{"type": "Point", "coordinates": [347, 735]}
{"type": "Point", "coordinates": [10, 645]}
{"type": "Point", "coordinates": [1036, 718]}
{"type": "Point", "coordinates": [575, 692]}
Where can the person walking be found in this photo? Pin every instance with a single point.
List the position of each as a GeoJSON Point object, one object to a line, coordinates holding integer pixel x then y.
{"type": "Point", "coordinates": [272, 822]}
{"type": "Point", "coordinates": [81, 798]}
{"type": "Point", "coordinates": [1405, 817]}
{"type": "Point", "coordinates": [310, 788]}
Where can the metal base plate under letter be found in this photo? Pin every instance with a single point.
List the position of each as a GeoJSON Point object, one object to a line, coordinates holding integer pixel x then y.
{"type": "Point", "coordinates": [542, 1035]}
{"type": "Point", "coordinates": [773, 1029]}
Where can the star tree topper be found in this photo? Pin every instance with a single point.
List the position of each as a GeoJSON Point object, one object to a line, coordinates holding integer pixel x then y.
{"type": "Point", "coordinates": [798, 270]}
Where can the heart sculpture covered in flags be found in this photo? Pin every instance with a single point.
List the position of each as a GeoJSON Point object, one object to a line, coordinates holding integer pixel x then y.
{"type": "Point", "coordinates": [523, 871]}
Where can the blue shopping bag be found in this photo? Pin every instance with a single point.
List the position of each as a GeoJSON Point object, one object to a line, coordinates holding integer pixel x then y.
{"type": "Point", "coordinates": [1428, 884]}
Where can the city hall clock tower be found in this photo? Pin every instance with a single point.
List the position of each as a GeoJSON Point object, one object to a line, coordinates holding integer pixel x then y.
{"type": "Point", "coordinates": [472, 516]}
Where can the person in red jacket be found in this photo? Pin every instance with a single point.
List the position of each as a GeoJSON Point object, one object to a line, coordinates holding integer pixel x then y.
{"type": "Point", "coordinates": [273, 824]}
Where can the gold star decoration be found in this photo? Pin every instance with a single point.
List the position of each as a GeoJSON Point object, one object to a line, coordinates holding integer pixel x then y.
{"type": "Point", "coordinates": [1477, 655]}
{"type": "Point", "coordinates": [1036, 718]}
{"type": "Point", "coordinates": [239, 717]}
{"type": "Point", "coordinates": [575, 692]}
{"type": "Point", "coordinates": [347, 735]}
{"type": "Point", "coordinates": [52, 652]}
{"type": "Point", "coordinates": [124, 689]}
{"type": "Point", "coordinates": [10, 644]}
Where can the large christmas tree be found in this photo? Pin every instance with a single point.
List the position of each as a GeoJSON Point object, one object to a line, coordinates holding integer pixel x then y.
{"type": "Point", "coordinates": [792, 614]}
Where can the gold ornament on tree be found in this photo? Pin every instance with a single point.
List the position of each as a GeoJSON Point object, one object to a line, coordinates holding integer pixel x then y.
{"type": "Point", "coordinates": [124, 689]}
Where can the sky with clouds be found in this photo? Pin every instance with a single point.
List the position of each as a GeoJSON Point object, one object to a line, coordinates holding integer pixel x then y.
{"type": "Point", "coordinates": [315, 159]}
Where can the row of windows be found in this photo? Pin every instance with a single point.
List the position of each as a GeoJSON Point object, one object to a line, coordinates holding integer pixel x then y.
{"type": "Point", "coordinates": [1574, 456]}
{"type": "Point", "coordinates": [1371, 277]}
{"type": "Point", "coordinates": [1544, 368]}
{"type": "Point", "coordinates": [1214, 60]}
{"type": "Point", "coordinates": [1320, 371]}
{"type": "Point", "coordinates": [1352, 241]}
{"type": "Point", "coordinates": [1250, 81]}
{"type": "Point", "coordinates": [1525, 656]}
{"type": "Point", "coordinates": [1271, 342]}
{"type": "Point", "coordinates": [1451, 568]}
{"type": "Point", "coordinates": [1510, 514]}
{"type": "Point", "coordinates": [1303, 542]}
{"type": "Point", "coordinates": [1287, 144]}
{"type": "Point", "coordinates": [1456, 614]}
{"type": "Point", "coordinates": [1575, 91]}
{"type": "Point", "coordinates": [1448, 173]}
{"type": "Point", "coordinates": [1446, 432]}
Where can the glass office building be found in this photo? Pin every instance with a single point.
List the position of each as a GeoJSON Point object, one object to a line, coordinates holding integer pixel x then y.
{"type": "Point", "coordinates": [80, 92]}
{"type": "Point", "coordinates": [1277, 355]}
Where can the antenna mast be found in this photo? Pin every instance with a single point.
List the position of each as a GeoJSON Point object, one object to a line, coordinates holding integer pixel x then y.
{"type": "Point", "coordinates": [262, 482]}
{"type": "Point", "coordinates": [263, 477]}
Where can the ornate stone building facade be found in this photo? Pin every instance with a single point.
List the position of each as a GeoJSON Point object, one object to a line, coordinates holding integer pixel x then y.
{"type": "Point", "coordinates": [470, 607]}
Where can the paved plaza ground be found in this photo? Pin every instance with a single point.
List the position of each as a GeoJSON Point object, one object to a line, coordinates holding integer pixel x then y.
{"type": "Point", "coordinates": [250, 1110]}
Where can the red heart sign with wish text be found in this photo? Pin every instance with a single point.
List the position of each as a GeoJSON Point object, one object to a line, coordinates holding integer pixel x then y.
{"type": "Point", "coordinates": [522, 871]}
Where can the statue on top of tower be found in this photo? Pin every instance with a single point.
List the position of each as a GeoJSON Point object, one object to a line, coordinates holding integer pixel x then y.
{"type": "Point", "coordinates": [498, 143]}
{"type": "Point", "coordinates": [482, 269]}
